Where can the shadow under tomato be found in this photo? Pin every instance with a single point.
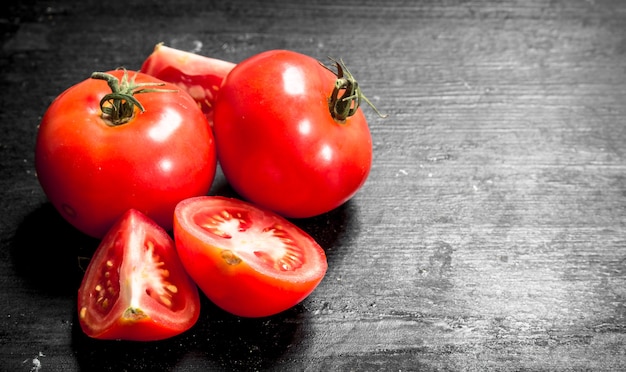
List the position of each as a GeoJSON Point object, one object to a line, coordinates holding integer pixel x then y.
{"type": "Point", "coordinates": [111, 355]}
{"type": "Point", "coordinates": [49, 254]}
{"type": "Point", "coordinates": [333, 230]}
{"type": "Point", "coordinates": [219, 341]}
{"type": "Point", "coordinates": [235, 343]}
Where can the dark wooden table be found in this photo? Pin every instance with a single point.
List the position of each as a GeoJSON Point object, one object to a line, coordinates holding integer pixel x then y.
{"type": "Point", "coordinates": [490, 234]}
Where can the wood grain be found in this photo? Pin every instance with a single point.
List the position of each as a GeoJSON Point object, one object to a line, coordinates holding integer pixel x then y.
{"type": "Point", "coordinates": [489, 235]}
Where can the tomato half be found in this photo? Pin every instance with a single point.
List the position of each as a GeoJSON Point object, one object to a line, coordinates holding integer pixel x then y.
{"type": "Point", "coordinates": [93, 170]}
{"type": "Point", "coordinates": [135, 287]}
{"type": "Point", "coordinates": [277, 140]}
{"type": "Point", "coordinates": [248, 261]}
{"type": "Point", "coordinates": [198, 75]}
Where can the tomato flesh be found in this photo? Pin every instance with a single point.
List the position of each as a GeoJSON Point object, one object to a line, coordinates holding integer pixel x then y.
{"type": "Point", "coordinates": [248, 261]}
{"type": "Point", "coordinates": [135, 287]}
{"type": "Point", "coordinates": [198, 75]}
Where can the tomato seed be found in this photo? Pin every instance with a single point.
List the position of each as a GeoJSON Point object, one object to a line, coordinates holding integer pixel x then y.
{"type": "Point", "coordinates": [166, 301]}
{"type": "Point", "coordinates": [242, 225]}
{"type": "Point", "coordinates": [285, 267]}
{"type": "Point", "coordinates": [214, 230]}
{"type": "Point", "coordinates": [172, 288]}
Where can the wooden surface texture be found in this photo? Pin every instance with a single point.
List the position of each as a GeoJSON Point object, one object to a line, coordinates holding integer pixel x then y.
{"type": "Point", "coordinates": [490, 234]}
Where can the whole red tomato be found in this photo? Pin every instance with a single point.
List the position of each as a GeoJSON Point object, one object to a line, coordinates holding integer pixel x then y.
{"type": "Point", "coordinates": [100, 153]}
{"type": "Point", "coordinates": [135, 287]}
{"type": "Point", "coordinates": [289, 133]}
{"type": "Point", "coordinates": [248, 261]}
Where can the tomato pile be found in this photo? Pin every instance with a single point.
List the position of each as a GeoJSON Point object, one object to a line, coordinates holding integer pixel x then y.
{"type": "Point", "coordinates": [129, 157]}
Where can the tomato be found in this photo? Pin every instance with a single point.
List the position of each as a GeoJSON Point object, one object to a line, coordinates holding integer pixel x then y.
{"type": "Point", "coordinates": [248, 261]}
{"type": "Point", "coordinates": [198, 75]}
{"type": "Point", "coordinates": [135, 287]}
{"type": "Point", "coordinates": [94, 165]}
{"type": "Point", "coordinates": [278, 140]}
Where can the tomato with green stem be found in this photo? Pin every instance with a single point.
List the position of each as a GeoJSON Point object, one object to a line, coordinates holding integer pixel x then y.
{"type": "Point", "coordinates": [290, 134]}
{"type": "Point", "coordinates": [248, 261]}
{"type": "Point", "coordinates": [123, 140]}
{"type": "Point", "coordinates": [135, 287]}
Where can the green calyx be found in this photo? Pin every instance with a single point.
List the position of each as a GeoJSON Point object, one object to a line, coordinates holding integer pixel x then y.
{"type": "Point", "coordinates": [346, 96]}
{"type": "Point", "coordinates": [118, 107]}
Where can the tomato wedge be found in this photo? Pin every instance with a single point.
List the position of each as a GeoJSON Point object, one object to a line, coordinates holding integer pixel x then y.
{"type": "Point", "coordinates": [198, 75]}
{"type": "Point", "coordinates": [135, 287]}
{"type": "Point", "coordinates": [248, 261]}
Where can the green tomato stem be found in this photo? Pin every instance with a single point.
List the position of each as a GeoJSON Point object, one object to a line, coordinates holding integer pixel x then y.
{"type": "Point", "coordinates": [346, 96]}
{"type": "Point", "coordinates": [118, 107]}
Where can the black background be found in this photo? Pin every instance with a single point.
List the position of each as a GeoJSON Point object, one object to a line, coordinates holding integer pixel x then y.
{"type": "Point", "coordinates": [489, 235]}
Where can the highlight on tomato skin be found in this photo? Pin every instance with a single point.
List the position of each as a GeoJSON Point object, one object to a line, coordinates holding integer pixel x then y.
{"type": "Point", "coordinates": [135, 287]}
{"type": "Point", "coordinates": [248, 261]}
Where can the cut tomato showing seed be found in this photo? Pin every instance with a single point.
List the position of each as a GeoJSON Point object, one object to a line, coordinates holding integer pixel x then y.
{"type": "Point", "coordinates": [248, 261]}
{"type": "Point", "coordinates": [198, 75]}
{"type": "Point", "coordinates": [135, 287]}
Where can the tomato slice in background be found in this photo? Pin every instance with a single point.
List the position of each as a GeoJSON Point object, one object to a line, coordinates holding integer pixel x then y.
{"type": "Point", "coordinates": [135, 287]}
{"type": "Point", "coordinates": [248, 261]}
{"type": "Point", "coordinates": [198, 75]}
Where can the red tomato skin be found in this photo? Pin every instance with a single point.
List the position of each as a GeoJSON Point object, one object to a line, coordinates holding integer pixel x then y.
{"type": "Point", "coordinates": [242, 289]}
{"type": "Point", "coordinates": [92, 173]}
{"type": "Point", "coordinates": [198, 75]}
{"type": "Point", "coordinates": [120, 246]}
{"type": "Point", "coordinates": [277, 143]}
